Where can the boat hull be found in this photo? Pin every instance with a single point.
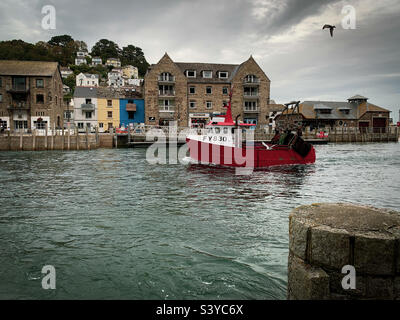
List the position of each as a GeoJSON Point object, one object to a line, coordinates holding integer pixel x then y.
{"type": "Point", "coordinates": [256, 155]}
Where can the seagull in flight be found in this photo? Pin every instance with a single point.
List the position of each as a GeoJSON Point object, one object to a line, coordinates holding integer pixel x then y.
{"type": "Point", "coordinates": [330, 28]}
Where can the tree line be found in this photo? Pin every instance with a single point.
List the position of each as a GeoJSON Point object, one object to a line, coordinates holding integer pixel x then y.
{"type": "Point", "coordinates": [63, 49]}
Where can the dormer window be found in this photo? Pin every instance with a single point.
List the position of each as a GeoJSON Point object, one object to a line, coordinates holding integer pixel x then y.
{"type": "Point", "coordinates": [191, 74]}
{"type": "Point", "coordinates": [223, 75]}
{"type": "Point", "coordinates": [207, 74]}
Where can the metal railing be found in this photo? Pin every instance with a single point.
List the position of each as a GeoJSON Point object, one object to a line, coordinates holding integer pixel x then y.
{"type": "Point", "coordinates": [166, 93]}
{"type": "Point", "coordinates": [251, 81]}
{"type": "Point", "coordinates": [167, 108]}
{"type": "Point", "coordinates": [166, 79]}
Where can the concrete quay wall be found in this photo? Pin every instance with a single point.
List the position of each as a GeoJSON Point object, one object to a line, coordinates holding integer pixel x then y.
{"type": "Point", "coordinates": [324, 238]}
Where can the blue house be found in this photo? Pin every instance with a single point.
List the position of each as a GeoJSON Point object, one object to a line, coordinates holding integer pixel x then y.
{"type": "Point", "coordinates": [131, 111]}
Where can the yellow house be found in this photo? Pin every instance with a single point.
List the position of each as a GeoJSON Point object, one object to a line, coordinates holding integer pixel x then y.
{"type": "Point", "coordinates": [107, 109]}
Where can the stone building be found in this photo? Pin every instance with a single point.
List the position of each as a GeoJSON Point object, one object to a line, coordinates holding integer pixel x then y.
{"type": "Point", "coordinates": [31, 95]}
{"type": "Point", "coordinates": [190, 93]}
{"type": "Point", "coordinates": [356, 112]}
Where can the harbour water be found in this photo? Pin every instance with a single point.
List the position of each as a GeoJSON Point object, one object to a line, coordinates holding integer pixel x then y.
{"type": "Point", "coordinates": [116, 227]}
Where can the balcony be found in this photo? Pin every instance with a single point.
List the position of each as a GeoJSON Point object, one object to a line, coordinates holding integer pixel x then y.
{"type": "Point", "coordinates": [19, 106]}
{"type": "Point", "coordinates": [251, 81]}
{"type": "Point", "coordinates": [167, 108]}
{"type": "Point", "coordinates": [131, 107]}
{"type": "Point", "coordinates": [167, 93]}
{"type": "Point", "coordinates": [166, 79]}
{"type": "Point", "coordinates": [87, 106]}
{"type": "Point", "coordinates": [251, 95]}
{"type": "Point", "coordinates": [251, 110]}
{"type": "Point", "coordinates": [17, 88]}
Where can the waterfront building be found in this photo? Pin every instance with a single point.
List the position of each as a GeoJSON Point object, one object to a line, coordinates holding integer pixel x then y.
{"type": "Point", "coordinates": [108, 105]}
{"type": "Point", "coordinates": [31, 95]}
{"type": "Point", "coordinates": [190, 92]}
{"type": "Point", "coordinates": [85, 108]}
{"type": "Point", "coordinates": [356, 112]}
{"type": "Point", "coordinates": [132, 109]}
{"type": "Point", "coordinates": [87, 80]}
{"type": "Point", "coordinates": [66, 72]}
{"type": "Point", "coordinates": [130, 72]}
{"type": "Point", "coordinates": [114, 62]}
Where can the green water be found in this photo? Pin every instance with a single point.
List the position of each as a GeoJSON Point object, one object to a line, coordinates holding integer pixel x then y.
{"type": "Point", "coordinates": [115, 227]}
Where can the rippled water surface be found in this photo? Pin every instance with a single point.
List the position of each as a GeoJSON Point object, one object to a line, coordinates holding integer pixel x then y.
{"type": "Point", "coordinates": [116, 227]}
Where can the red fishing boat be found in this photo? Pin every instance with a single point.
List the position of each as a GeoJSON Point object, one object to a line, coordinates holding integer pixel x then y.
{"type": "Point", "coordinates": [221, 144]}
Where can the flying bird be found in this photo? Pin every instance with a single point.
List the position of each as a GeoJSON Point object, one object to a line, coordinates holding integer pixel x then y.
{"type": "Point", "coordinates": [330, 28]}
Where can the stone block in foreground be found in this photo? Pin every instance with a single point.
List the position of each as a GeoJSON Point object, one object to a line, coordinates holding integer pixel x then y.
{"type": "Point", "coordinates": [325, 237]}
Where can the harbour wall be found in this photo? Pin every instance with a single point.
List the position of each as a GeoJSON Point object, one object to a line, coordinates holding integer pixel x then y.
{"type": "Point", "coordinates": [32, 142]}
{"type": "Point", "coordinates": [326, 238]}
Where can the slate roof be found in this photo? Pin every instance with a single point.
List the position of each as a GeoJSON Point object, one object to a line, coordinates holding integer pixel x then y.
{"type": "Point", "coordinates": [213, 67]}
{"type": "Point", "coordinates": [308, 110]}
{"type": "Point", "coordinates": [85, 92]}
{"type": "Point", "coordinates": [27, 68]}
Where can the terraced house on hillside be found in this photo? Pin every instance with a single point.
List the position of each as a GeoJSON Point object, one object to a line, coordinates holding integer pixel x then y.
{"type": "Point", "coordinates": [31, 95]}
{"type": "Point", "coordinates": [190, 93]}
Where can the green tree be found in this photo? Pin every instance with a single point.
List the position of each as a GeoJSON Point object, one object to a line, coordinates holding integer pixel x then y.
{"type": "Point", "coordinates": [106, 49]}
{"type": "Point", "coordinates": [61, 41]}
{"type": "Point", "coordinates": [132, 55]}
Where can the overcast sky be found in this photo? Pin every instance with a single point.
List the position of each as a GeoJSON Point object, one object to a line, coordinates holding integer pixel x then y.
{"type": "Point", "coordinates": [284, 36]}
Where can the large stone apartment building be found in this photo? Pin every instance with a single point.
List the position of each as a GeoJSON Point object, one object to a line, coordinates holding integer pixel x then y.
{"type": "Point", "coordinates": [190, 93]}
{"type": "Point", "coordinates": [31, 95]}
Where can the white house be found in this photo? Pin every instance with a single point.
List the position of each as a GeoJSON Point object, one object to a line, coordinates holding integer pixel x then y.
{"type": "Point", "coordinates": [85, 108]}
{"type": "Point", "coordinates": [66, 72]}
{"type": "Point", "coordinates": [79, 61]}
{"type": "Point", "coordinates": [115, 79]}
{"type": "Point", "coordinates": [87, 80]}
{"type": "Point", "coordinates": [96, 61]}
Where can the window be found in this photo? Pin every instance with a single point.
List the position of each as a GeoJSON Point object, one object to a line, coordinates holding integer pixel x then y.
{"type": "Point", "coordinates": [191, 74]}
{"type": "Point", "coordinates": [192, 104]}
{"type": "Point", "coordinates": [101, 125]}
{"type": "Point", "coordinates": [250, 105]}
{"type": "Point", "coordinates": [109, 114]}
{"type": "Point", "coordinates": [131, 115]}
{"type": "Point", "coordinates": [80, 125]}
{"type": "Point", "coordinates": [251, 91]}
{"type": "Point", "coordinates": [225, 90]}
{"type": "Point", "coordinates": [109, 103]}
{"type": "Point", "coordinates": [209, 90]}
{"type": "Point", "coordinates": [39, 98]}
{"type": "Point", "coordinates": [110, 125]}
{"type": "Point", "coordinates": [1, 97]}
{"type": "Point", "coordinates": [166, 76]}
{"type": "Point", "coordinates": [207, 74]}
{"type": "Point", "coordinates": [41, 125]}
{"type": "Point", "coordinates": [251, 78]}
{"type": "Point", "coordinates": [88, 115]}
{"type": "Point", "coordinates": [192, 90]}
{"type": "Point", "coordinates": [223, 75]}
{"type": "Point", "coordinates": [209, 105]}
{"type": "Point", "coordinates": [39, 83]}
